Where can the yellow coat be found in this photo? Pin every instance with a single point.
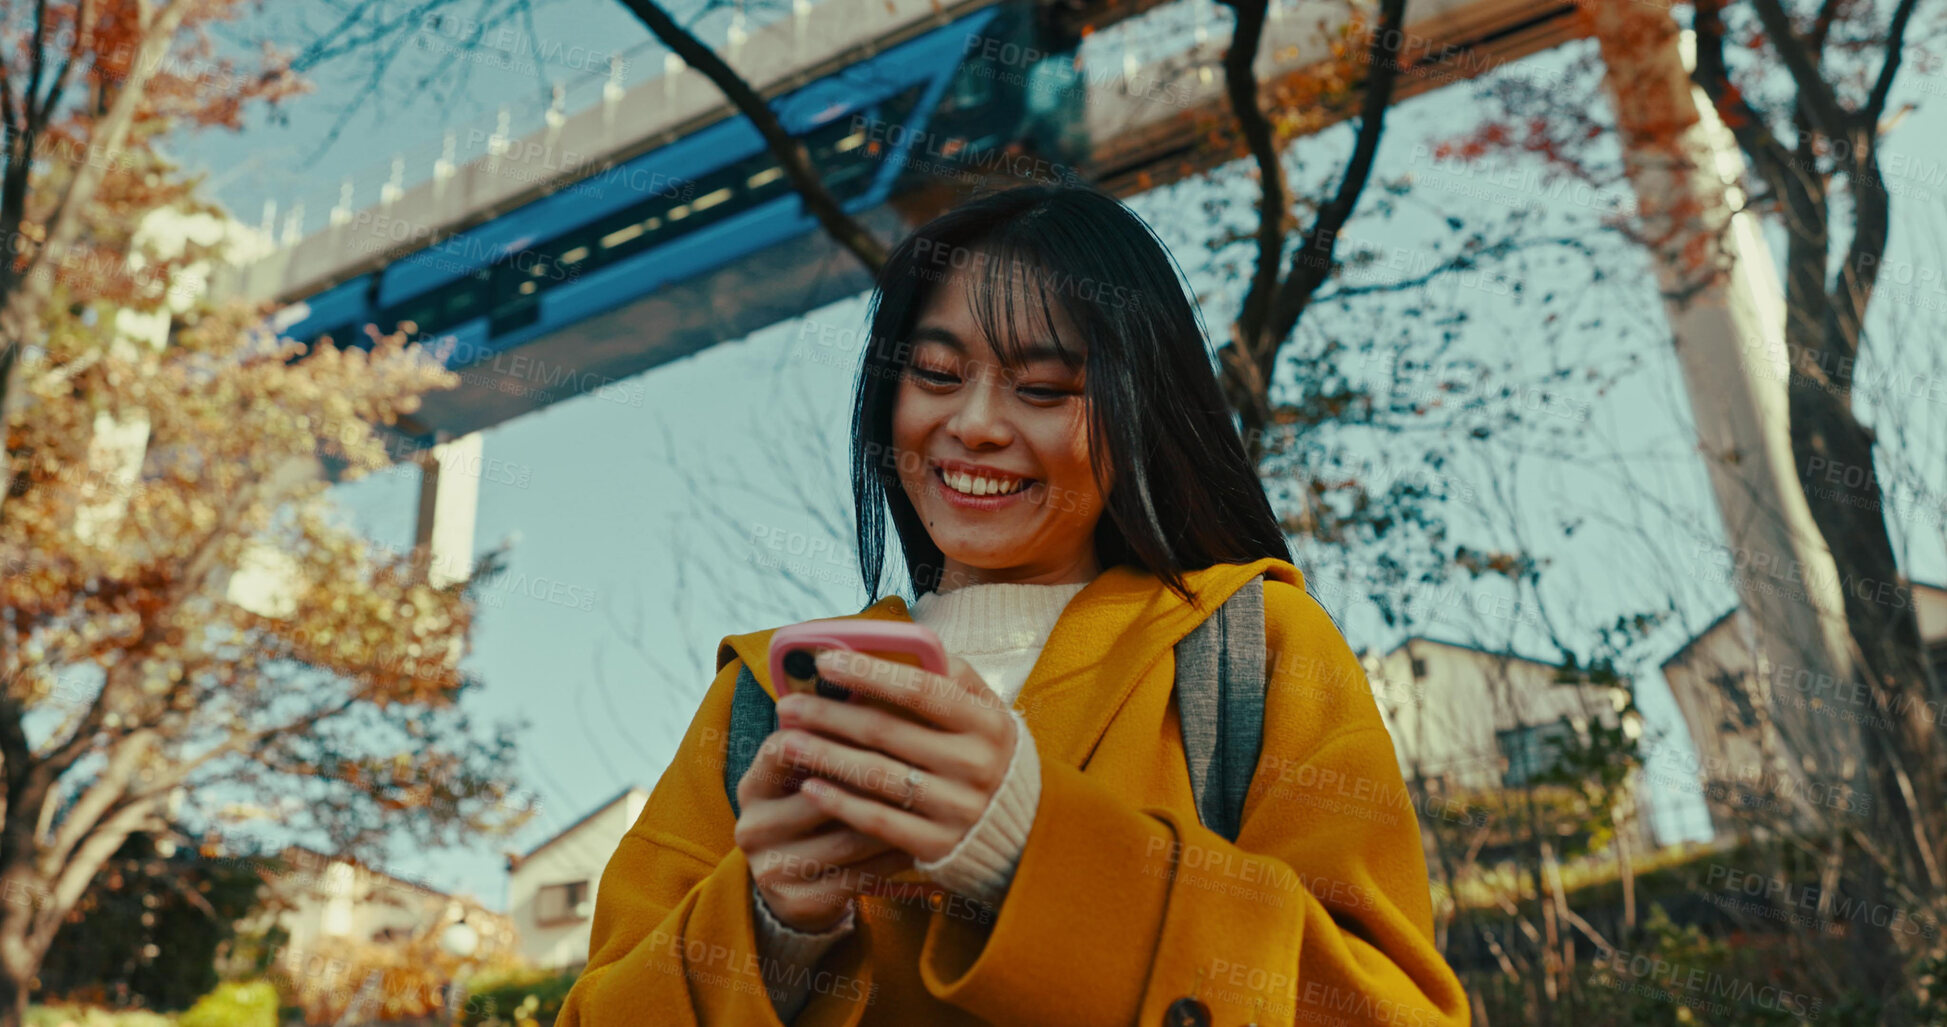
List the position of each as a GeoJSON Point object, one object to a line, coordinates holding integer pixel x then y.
{"type": "Point", "coordinates": [1122, 903]}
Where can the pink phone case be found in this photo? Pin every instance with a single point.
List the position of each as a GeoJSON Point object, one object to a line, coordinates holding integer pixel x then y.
{"type": "Point", "coordinates": [896, 638]}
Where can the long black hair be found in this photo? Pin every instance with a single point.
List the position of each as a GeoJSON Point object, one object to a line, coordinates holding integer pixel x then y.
{"type": "Point", "coordinates": [1183, 495]}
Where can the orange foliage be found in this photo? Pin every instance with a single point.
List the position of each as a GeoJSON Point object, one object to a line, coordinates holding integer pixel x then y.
{"type": "Point", "coordinates": [408, 980]}
{"type": "Point", "coordinates": [143, 479]}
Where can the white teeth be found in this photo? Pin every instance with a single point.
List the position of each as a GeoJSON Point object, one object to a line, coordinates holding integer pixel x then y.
{"type": "Point", "coordinates": [973, 486]}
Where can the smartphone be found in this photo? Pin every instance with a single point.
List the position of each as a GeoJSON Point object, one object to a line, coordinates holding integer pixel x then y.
{"type": "Point", "coordinates": [794, 648]}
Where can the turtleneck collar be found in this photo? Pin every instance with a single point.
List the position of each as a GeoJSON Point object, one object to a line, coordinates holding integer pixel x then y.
{"type": "Point", "coordinates": [994, 617]}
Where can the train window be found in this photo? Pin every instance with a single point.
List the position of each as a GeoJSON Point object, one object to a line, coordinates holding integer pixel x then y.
{"type": "Point", "coordinates": [970, 89]}
{"type": "Point", "coordinates": [509, 293]}
{"type": "Point", "coordinates": [440, 310]}
{"type": "Point", "coordinates": [515, 300]}
{"type": "Point", "coordinates": [460, 305]}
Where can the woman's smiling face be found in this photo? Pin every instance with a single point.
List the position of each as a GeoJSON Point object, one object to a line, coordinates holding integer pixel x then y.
{"type": "Point", "coordinates": [995, 459]}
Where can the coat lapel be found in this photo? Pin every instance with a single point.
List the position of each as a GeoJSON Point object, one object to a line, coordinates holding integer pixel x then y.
{"type": "Point", "coordinates": [1109, 636]}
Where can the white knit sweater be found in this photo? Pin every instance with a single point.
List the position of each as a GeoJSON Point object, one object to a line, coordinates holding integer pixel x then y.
{"type": "Point", "coordinates": [999, 629]}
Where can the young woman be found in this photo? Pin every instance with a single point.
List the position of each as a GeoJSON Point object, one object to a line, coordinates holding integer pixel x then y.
{"type": "Point", "coordinates": [1039, 415]}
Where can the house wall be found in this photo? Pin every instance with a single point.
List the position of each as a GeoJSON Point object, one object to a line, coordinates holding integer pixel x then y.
{"type": "Point", "coordinates": [1715, 683]}
{"type": "Point", "coordinates": [334, 899]}
{"type": "Point", "coordinates": [578, 855]}
{"type": "Point", "coordinates": [334, 902]}
{"type": "Point", "coordinates": [1444, 720]}
{"type": "Point", "coordinates": [1712, 684]}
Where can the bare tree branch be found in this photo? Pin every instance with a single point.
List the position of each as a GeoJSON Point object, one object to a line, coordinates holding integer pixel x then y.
{"type": "Point", "coordinates": [1458, 262]}
{"type": "Point", "coordinates": [1769, 157]}
{"type": "Point", "coordinates": [1821, 104]}
{"type": "Point", "coordinates": [1313, 262]}
{"type": "Point", "coordinates": [1829, 12]}
{"type": "Point", "coordinates": [84, 18]}
{"type": "Point", "coordinates": [1895, 50]}
{"type": "Point", "coordinates": [791, 154]}
{"type": "Point", "coordinates": [1241, 89]}
{"type": "Point", "coordinates": [37, 63]}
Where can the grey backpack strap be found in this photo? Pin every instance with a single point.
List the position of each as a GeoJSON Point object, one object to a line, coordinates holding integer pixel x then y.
{"type": "Point", "coordinates": [1220, 683]}
{"type": "Point", "coordinates": [753, 717]}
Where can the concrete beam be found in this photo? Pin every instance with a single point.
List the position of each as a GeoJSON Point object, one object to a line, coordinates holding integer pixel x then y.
{"type": "Point", "coordinates": [1726, 314]}
{"type": "Point", "coordinates": [449, 499]}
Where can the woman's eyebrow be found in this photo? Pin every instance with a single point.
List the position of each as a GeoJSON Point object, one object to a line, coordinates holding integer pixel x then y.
{"type": "Point", "coordinates": [1038, 353]}
{"type": "Point", "coordinates": [936, 333]}
{"type": "Point", "coordinates": [1043, 353]}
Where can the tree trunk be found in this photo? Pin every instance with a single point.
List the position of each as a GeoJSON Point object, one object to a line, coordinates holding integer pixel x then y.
{"type": "Point", "coordinates": [24, 297]}
{"type": "Point", "coordinates": [1626, 871]}
{"type": "Point", "coordinates": [13, 1000]}
{"type": "Point", "coordinates": [19, 963]}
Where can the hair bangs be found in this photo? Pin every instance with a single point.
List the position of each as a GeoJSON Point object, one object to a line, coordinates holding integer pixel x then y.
{"type": "Point", "coordinates": [1015, 299]}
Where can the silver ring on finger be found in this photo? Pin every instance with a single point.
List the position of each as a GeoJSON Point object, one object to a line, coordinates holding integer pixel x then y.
{"type": "Point", "coordinates": [913, 782]}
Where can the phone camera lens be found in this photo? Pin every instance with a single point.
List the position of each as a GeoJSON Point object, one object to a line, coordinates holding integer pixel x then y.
{"type": "Point", "coordinates": [799, 664]}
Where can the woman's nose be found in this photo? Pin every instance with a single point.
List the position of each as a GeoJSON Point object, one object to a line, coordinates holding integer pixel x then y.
{"type": "Point", "coordinates": [981, 419]}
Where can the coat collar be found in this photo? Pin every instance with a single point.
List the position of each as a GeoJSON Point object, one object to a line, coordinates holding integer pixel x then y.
{"type": "Point", "coordinates": [1106, 639]}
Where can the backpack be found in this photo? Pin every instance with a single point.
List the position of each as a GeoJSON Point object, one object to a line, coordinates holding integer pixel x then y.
{"type": "Point", "coordinates": [1220, 685]}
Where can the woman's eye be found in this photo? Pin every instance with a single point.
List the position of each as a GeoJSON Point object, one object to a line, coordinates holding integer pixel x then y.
{"type": "Point", "coordinates": [932, 377]}
{"type": "Point", "coordinates": [1043, 392]}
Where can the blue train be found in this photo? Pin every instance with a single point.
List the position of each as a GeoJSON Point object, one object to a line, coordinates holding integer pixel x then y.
{"type": "Point", "coordinates": [956, 95]}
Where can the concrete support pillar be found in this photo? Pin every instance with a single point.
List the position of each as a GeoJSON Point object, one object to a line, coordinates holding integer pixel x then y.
{"type": "Point", "coordinates": [118, 446]}
{"type": "Point", "coordinates": [1726, 315]}
{"type": "Point", "coordinates": [449, 498]}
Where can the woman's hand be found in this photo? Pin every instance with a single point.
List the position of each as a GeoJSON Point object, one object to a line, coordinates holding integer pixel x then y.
{"type": "Point", "coordinates": [863, 760]}
{"type": "Point", "coordinates": [805, 866]}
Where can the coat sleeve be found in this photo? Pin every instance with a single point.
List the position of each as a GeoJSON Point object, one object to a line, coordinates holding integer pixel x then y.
{"type": "Point", "coordinates": [674, 939]}
{"type": "Point", "coordinates": [1320, 912]}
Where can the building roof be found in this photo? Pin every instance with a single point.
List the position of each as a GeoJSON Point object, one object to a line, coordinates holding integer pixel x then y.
{"type": "Point", "coordinates": [1684, 649]}
{"type": "Point", "coordinates": [514, 860]}
{"type": "Point", "coordinates": [1464, 647]}
{"type": "Point", "coordinates": [326, 859]}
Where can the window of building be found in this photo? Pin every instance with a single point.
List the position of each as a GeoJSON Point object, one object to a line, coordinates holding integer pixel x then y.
{"type": "Point", "coordinates": [1531, 750]}
{"type": "Point", "coordinates": [560, 903]}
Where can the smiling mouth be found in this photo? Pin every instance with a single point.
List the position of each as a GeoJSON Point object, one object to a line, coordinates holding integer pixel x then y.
{"type": "Point", "coordinates": [975, 487]}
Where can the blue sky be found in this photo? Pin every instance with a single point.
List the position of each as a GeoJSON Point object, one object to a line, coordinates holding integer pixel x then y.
{"type": "Point", "coordinates": [642, 517]}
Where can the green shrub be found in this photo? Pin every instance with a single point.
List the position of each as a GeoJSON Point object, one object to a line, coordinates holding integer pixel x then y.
{"type": "Point", "coordinates": [251, 1004]}
{"type": "Point", "coordinates": [79, 1016]}
{"type": "Point", "coordinates": [516, 997]}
